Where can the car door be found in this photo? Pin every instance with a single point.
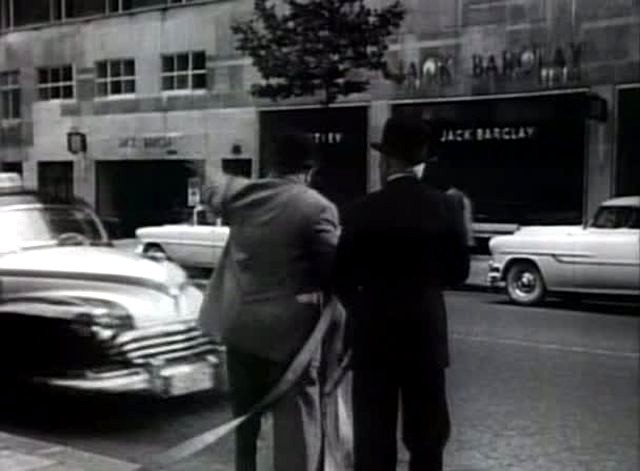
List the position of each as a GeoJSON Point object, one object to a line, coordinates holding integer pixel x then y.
{"type": "Point", "coordinates": [610, 246]}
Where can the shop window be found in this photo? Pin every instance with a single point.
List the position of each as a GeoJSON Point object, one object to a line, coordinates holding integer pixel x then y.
{"type": "Point", "coordinates": [55, 83]}
{"type": "Point", "coordinates": [11, 167]}
{"type": "Point", "coordinates": [184, 71]}
{"type": "Point", "coordinates": [126, 5]}
{"type": "Point", "coordinates": [30, 12]}
{"type": "Point", "coordinates": [10, 99]}
{"type": "Point", "coordinates": [115, 77]}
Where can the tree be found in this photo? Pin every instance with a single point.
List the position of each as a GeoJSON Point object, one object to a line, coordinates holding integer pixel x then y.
{"type": "Point", "coordinates": [302, 47]}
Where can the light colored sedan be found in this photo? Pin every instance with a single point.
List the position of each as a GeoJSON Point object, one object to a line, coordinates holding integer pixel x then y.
{"type": "Point", "coordinates": [197, 243]}
{"type": "Point", "coordinates": [77, 313]}
{"type": "Point", "coordinates": [599, 257]}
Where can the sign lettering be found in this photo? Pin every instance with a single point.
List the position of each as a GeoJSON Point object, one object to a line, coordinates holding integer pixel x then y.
{"type": "Point", "coordinates": [503, 133]}
{"type": "Point", "coordinates": [145, 142]}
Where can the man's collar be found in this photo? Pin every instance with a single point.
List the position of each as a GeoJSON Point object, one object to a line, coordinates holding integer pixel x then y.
{"type": "Point", "coordinates": [398, 175]}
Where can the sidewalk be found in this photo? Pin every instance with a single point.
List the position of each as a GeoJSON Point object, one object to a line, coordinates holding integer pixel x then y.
{"type": "Point", "coordinates": [23, 454]}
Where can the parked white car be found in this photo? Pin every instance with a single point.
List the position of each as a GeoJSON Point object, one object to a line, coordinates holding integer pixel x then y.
{"type": "Point", "coordinates": [599, 257]}
{"type": "Point", "coordinates": [197, 243]}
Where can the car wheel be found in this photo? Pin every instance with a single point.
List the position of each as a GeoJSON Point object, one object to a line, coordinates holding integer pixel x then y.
{"type": "Point", "coordinates": [525, 284]}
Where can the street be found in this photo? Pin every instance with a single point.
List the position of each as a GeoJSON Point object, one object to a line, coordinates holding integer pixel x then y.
{"type": "Point", "coordinates": [548, 388]}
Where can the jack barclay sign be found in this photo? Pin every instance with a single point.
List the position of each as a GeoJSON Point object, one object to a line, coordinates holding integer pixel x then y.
{"type": "Point", "coordinates": [503, 133]}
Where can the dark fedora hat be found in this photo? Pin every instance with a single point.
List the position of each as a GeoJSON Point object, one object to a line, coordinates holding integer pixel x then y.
{"type": "Point", "coordinates": [404, 138]}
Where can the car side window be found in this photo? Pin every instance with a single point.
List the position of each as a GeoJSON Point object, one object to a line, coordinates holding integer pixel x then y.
{"type": "Point", "coordinates": [612, 217]}
{"type": "Point", "coordinates": [634, 219]}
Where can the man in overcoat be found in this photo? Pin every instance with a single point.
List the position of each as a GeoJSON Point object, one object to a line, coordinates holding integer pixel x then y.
{"type": "Point", "coordinates": [264, 299]}
{"type": "Point", "coordinates": [400, 247]}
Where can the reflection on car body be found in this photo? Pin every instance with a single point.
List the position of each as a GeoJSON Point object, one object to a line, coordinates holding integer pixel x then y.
{"type": "Point", "coordinates": [196, 243]}
{"type": "Point", "coordinates": [76, 312]}
{"type": "Point", "coordinates": [600, 257]}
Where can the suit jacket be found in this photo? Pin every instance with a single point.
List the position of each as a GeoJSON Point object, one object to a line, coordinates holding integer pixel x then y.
{"type": "Point", "coordinates": [281, 244]}
{"type": "Point", "coordinates": [399, 248]}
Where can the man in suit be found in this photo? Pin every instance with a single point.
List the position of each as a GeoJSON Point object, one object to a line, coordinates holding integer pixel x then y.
{"type": "Point", "coordinates": [263, 299]}
{"type": "Point", "coordinates": [399, 248]}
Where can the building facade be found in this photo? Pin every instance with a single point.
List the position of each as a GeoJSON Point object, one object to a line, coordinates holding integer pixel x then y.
{"type": "Point", "coordinates": [536, 103]}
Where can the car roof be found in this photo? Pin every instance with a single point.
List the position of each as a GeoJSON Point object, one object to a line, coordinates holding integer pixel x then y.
{"type": "Point", "coordinates": [623, 201]}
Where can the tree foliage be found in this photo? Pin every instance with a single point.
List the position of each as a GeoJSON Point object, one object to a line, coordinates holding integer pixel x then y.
{"type": "Point", "coordinates": [302, 47]}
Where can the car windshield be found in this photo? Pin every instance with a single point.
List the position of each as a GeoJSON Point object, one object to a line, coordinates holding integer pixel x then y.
{"type": "Point", "coordinates": [29, 226]}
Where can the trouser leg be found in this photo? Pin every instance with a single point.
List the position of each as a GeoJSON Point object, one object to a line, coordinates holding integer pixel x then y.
{"type": "Point", "coordinates": [297, 425]}
{"type": "Point", "coordinates": [425, 415]}
{"type": "Point", "coordinates": [375, 416]}
{"type": "Point", "coordinates": [248, 382]}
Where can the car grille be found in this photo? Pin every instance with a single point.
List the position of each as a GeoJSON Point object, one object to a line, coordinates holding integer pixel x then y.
{"type": "Point", "coordinates": [163, 344]}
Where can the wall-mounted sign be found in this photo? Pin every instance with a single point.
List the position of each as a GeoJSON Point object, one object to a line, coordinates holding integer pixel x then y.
{"type": "Point", "coordinates": [331, 137]}
{"type": "Point", "coordinates": [432, 70]}
{"type": "Point", "coordinates": [146, 142]}
{"type": "Point", "coordinates": [551, 65]}
{"type": "Point", "coordinates": [477, 134]}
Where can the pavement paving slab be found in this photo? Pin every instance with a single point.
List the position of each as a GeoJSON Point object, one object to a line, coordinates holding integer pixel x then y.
{"type": "Point", "coordinates": [24, 454]}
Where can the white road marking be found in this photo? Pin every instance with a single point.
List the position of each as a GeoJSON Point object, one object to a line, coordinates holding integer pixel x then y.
{"type": "Point", "coordinates": [547, 346]}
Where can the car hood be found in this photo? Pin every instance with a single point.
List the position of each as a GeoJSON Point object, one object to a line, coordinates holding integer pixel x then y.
{"type": "Point", "coordinates": [94, 263]}
{"type": "Point", "coordinates": [154, 293]}
{"type": "Point", "coordinates": [544, 231]}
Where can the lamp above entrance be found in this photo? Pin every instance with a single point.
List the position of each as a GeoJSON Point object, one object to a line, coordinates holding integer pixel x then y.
{"type": "Point", "coordinates": [76, 142]}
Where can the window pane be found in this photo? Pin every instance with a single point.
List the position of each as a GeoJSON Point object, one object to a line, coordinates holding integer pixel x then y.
{"type": "Point", "coordinates": [198, 61]}
{"type": "Point", "coordinates": [30, 12]}
{"type": "Point", "coordinates": [101, 89]}
{"type": "Point", "coordinates": [129, 68]}
{"type": "Point", "coordinates": [168, 64]}
{"type": "Point", "coordinates": [147, 3]}
{"type": "Point", "coordinates": [67, 91]}
{"type": "Point", "coordinates": [116, 87]}
{"type": "Point", "coordinates": [168, 82]}
{"type": "Point", "coordinates": [56, 75]}
{"type": "Point", "coordinates": [14, 78]}
{"type": "Point", "coordinates": [113, 5]}
{"type": "Point", "coordinates": [129, 86]}
{"type": "Point", "coordinates": [101, 69]}
{"type": "Point", "coordinates": [77, 8]}
{"type": "Point", "coordinates": [43, 93]}
{"type": "Point", "coordinates": [182, 81]}
{"type": "Point", "coordinates": [182, 62]}
{"type": "Point", "coordinates": [43, 76]}
{"type": "Point", "coordinates": [15, 103]}
{"type": "Point", "coordinates": [4, 109]}
{"type": "Point", "coordinates": [4, 79]}
{"type": "Point", "coordinates": [199, 81]}
{"type": "Point", "coordinates": [127, 5]}
{"type": "Point", "coordinates": [56, 93]}
{"type": "Point", "coordinates": [67, 73]}
{"type": "Point", "coordinates": [115, 68]}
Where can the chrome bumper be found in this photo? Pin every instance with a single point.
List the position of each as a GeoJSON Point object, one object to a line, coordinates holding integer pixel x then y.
{"type": "Point", "coordinates": [158, 379]}
{"type": "Point", "coordinates": [494, 275]}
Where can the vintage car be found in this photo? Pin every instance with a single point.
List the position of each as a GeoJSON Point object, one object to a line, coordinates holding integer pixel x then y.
{"type": "Point", "coordinates": [599, 257]}
{"type": "Point", "coordinates": [77, 313]}
{"type": "Point", "coordinates": [197, 243]}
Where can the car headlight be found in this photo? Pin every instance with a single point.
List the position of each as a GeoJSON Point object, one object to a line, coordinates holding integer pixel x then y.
{"type": "Point", "coordinates": [102, 320]}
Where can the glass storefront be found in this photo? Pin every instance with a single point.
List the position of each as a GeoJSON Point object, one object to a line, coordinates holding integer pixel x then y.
{"type": "Point", "coordinates": [520, 160]}
{"type": "Point", "coordinates": [340, 134]}
{"type": "Point", "coordinates": [628, 158]}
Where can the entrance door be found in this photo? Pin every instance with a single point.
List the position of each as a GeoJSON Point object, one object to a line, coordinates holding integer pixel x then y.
{"type": "Point", "coordinates": [132, 194]}
{"type": "Point", "coordinates": [341, 138]}
{"type": "Point", "coordinates": [55, 180]}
